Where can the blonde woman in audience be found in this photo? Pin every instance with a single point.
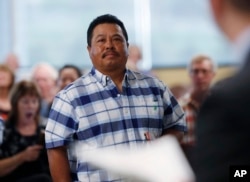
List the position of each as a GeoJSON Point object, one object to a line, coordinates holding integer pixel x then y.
{"type": "Point", "coordinates": [22, 153]}
{"type": "Point", "coordinates": [7, 79]}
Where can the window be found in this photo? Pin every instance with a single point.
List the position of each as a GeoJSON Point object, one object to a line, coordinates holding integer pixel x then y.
{"type": "Point", "coordinates": [168, 31]}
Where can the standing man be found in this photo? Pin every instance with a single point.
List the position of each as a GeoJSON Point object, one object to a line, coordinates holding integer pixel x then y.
{"type": "Point", "coordinates": [201, 71]}
{"type": "Point", "coordinates": [223, 123]}
{"type": "Point", "coordinates": [108, 107]}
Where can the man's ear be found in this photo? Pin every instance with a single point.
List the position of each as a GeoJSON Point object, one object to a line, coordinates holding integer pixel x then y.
{"type": "Point", "coordinates": [88, 48]}
{"type": "Point", "coordinates": [89, 51]}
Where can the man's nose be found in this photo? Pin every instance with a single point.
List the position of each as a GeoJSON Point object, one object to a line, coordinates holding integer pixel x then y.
{"type": "Point", "coordinates": [109, 44]}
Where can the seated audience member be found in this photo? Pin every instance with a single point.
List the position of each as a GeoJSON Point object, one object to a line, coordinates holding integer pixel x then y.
{"type": "Point", "coordinates": [67, 74]}
{"type": "Point", "coordinates": [201, 71]}
{"type": "Point", "coordinates": [22, 152]}
{"type": "Point", "coordinates": [12, 62]}
{"type": "Point", "coordinates": [134, 58]}
{"type": "Point", "coordinates": [45, 77]}
{"type": "Point", "coordinates": [7, 79]}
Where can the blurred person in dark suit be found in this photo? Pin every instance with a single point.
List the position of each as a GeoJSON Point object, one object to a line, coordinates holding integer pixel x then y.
{"type": "Point", "coordinates": [223, 122]}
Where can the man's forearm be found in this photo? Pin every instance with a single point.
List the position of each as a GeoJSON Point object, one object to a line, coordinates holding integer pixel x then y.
{"type": "Point", "coordinates": [59, 164]}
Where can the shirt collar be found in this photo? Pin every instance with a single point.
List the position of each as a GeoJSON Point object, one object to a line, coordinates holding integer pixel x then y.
{"type": "Point", "coordinates": [104, 79]}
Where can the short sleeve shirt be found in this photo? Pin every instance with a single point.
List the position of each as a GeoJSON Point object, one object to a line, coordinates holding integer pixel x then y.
{"type": "Point", "coordinates": [92, 110]}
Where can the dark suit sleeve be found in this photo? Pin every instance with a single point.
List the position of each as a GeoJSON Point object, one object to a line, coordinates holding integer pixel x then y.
{"type": "Point", "coordinates": [208, 133]}
{"type": "Point", "coordinates": [222, 133]}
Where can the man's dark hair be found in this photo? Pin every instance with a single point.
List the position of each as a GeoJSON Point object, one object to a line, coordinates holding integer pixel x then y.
{"type": "Point", "coordinates": [107, 18]}
{"type": "Point", "coordinates": [242, 5]}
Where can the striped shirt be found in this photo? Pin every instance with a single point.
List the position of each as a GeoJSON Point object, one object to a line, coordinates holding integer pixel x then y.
{"type": "Point", "coordinates": [93, 111]}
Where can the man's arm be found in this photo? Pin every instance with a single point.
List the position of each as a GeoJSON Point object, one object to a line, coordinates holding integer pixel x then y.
{"type": "Point", "coordinates": [59, 164]}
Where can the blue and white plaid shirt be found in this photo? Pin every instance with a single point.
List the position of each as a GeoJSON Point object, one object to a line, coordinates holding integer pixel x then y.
{"type": "Point", "coordinates": [93, 111]}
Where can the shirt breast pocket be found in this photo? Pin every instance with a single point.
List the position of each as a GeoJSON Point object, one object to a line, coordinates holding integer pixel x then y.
{"type": "Point", "coordinates": [153, 107]}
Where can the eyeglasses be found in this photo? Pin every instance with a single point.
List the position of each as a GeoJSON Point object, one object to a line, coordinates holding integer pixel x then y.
{"type": "Point", "coordinates": [203, 71]}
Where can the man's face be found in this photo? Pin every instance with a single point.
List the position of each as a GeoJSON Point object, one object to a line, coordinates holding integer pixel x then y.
{"type": "Point", "coordinates": [201, 75]}
{"type": "Point", "coordinates": [109, 49]}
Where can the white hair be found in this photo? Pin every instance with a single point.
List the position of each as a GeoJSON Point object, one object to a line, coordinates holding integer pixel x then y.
{"type": "Point", "coordinates": [51, 71]}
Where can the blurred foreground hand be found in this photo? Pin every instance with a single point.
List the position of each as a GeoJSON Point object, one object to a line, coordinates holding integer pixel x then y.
{"type": "Point", "coordinates": [160, 160]}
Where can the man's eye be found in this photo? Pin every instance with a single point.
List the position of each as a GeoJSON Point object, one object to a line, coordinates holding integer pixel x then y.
{"type": "Point", "coordinates": [117, 39]}
{"type": "Point", "coordinates": [100, 40]}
